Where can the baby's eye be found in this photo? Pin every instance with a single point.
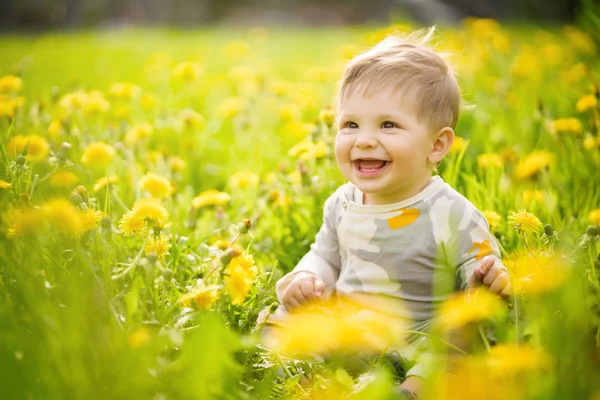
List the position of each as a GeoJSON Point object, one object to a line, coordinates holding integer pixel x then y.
{"type": "Point", "coordinates": [352, 125]}
{"type": "Point", "coordinates": [388, 125]}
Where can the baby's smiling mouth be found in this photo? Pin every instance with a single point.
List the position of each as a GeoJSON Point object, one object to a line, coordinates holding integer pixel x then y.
{"type": "Point", "coordinates": [370, 166]}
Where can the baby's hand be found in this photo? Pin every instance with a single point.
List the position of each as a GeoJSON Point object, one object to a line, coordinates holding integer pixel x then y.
{"type": "Point", "coordinates": [303, 288]}
{"type": "Point", "coordinates": [491, 275]}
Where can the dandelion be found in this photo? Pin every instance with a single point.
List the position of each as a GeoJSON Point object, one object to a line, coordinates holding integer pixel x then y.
{"type": "Point", "coordinates": [158, 186]}
{"type": "Point", "coordinates": [493, 219]}
{"type": "Point", "coordinates": [91, 219]}
{"type": "Point", "coordinates": [538, 272]}
{"type": "Point", "coordinates": [587, 102]}
{"type": "Point", "coordinates": [137, 133]}
{"type": "Point", "coordinates": [152, 210]}
{"type": "Point", "coordinates": [191, 119]}
{"type": "Point", "coordinates": [97, 154]}
{"type": "Point", "coordinates": [55, 127]}
{"type": "Point", "coordinates": [186, 71]}
{"type": "Point", "coordinates": [237, 49]}
{"type": "Point", "coordinates": [9, 106]}
{"type": "Point", "coordinates": [95, 103]}
{"type": "Point", "coordinates": [572, 125]}
{"type": "Point", "coordinates": [591, 143]}
{"type": "Point", "coordinates": [321, 149]}
{"type": "Point", "coordinates": [159, 245]}
{"type": "Point", "coordinates": [524, 221]}
{"type": "Point", "coordinates": [176, 164]}
{"type": "Point", "coordinates": [594, 216]}
{"type": "Point", "coordinates": [26, 222]}
{"type": "Point", "coordinates": [37, 147]}
{"type": "Point", "coordinates": [509, 359]}
{"type": "Point", "coordinates": [238, 281]}
{"type": "Point", "coordinates": [148, 101]}
{"type": "Point", "coordinates": [125, 90]}
{"type": "Point", "coordinates": [490, 160]}
{"type": "Point", "coordinates": [63, 179]}
{"type": "Point", "coordinates": [203, 297]}
{"type": "Point", "coordinates": [10, 84]}
{"type": "Point", "coordinates": [458, 145]}
{"type": "Point", "coordinates": [5, 185]}
{"type": "Point", "coordinates": [289, 112]}
{"type": "Point", "coordinates": [210, 197]}
{"type": "Point", "coordinates": [103, 182]}
{"type": "Point", "coordinates": [132, 224]}
{"type": "Point", "coordinates": [464, 308]}
{"type": "Point", "coordinates": [63, 216]}
{"type": "Point", "coordinates": [138, 337]}
{"type": "Point", "coordinates": [231, 107]}
{"type": "Point", "coordinates": [243, 180]}
{"type": "Point", "coordinates": [532, 164]}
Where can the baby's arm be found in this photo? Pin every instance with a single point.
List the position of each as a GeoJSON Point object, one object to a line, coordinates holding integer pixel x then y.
{"type": "Point", "coordinates": [319, 269]}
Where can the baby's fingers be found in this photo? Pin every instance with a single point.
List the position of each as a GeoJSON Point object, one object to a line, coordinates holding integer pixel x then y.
{"type": "Point", "coordinates": [499, 284]}
{"type": "Point", "coordinates": [307, 288]}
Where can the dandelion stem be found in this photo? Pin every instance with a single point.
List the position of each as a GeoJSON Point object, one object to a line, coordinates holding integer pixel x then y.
{"type": "Point", "coordinates": [484, 338]}
{"type": "Point", "coordinates": [287, 371]}
{"type": "Point", "coordinates": [133, 262]}
{"type": "Point", "coordinates": [442, 341]}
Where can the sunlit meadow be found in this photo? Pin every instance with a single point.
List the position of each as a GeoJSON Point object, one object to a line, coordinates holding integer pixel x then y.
{"type": "Point", "coordinates": [155, 184]}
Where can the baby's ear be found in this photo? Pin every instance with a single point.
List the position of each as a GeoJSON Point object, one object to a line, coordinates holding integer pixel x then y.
{"type": "Point", "coordinates": [442, 142]}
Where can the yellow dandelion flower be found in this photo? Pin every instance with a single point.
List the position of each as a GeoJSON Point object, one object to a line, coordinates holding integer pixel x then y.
{"type": "Point", "coordinates": [148, 101]}
{"type": "Point", "coordinates": [490, 160]}
{"type": "Point", "coordinates": [138, 337]}
{"type": "Point", "coordinates": [190, 119]}
{"type": "Point", "coordinates": [37, 147]}
{"type": "Point", "coordinates": [63, 179]}
{"type": "Point", "coordinates": [231, 107]}
{"type": "Point", "coordinates": [95, 103]}
{"type": "Point", "coordinates": [55, 127]}
{"type": "Point", "coordinates": [289, 112]}
{"type": "Point", "coordinates": [244, 260]}
{"type": "Point", "coordinates": [103, 182]}
{"type": "Point", "coordinates": [137, 133]}
{"type": "Point", "coordinates": [493, 219]}
{"type": "Point", "coordinates": [587, 102]}
{"type": "Point", "coordinates": [302, 148]}
{"type": "Point", "coordinates": [159, 245]}
{"type": "Point", "coordinates": [538, 272]}
{"type": "Point", "coordinates": [186, 71]}
{"type": "Point", "coordinates": [27, 222]}
{"type": "Point", "coordinates": [279, 88]}
{"type": "Point", "coordinates": [238, 281]}
{"type": "Point", "coordinates": [594, 216]}
{"type": "Point", "coordinates": [210, 197]}
{"type": "Point", "coordinates": [571, 125]}
{"type": "Point", "coordinates": [124, 90]}
{"type": "Point", "coordinates": [530, 165]}
{"type": "Point", "coordinates": [468, 307]}
{"type": "Point", "coordinates": [204, 298]}
{"type": "Point", "coordinates": [243, 180]}
{"type": "Point", "coordinates": [9, 105]}
{"type": "Point", "coordinates": [10, 84]}
{"type": "Point", "coordinates": [97, 154]}
{"type": "Point", "coordinates": [63, 216]}
{"type": "Point", "coordinates": [579, 39]}
{"type": "Point", "coordinates": [151, 209]}
{"type": "Point", "coordinates": [91, 219]}
{"type": "Point", "coordinates": [524, 221]}
{"type": "Point", "coordinates": [5, 185]}
{"type": "Point", "coordinates": [591, 143]}
{"type": "Point", "coordinates": [575, 74]}
{"type": "Point", "coordinates": [132, 224]}
{"type": "Point", "coordinates": [176, 164]}
{"type": "Point", "coordinates": [158, 186]}
{"type": "Point", "coordinates": [511, 359]}
{"type": "Point", "coordinates": [458, 145]}
{"type": "Point", "coordinates": [236, 49]}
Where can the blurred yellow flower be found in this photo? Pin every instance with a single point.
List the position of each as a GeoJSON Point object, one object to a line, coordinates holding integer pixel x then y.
{"type": "Point", "coordinates": [231, 107]}
{"type": "Point", "coordinates": [202, 297]}
{"type": "Point", "coordinates": [572, 125]}
{"type": "Point", "coordinates": [5, 185]}
{"type": "Point", "coordinates": [467, 307]}
{"type": "Point", "coordinates": [138, 337]}
{"type": "Point", "coordinates": [176, 164]}
{"type": "Point", "coordinates": [91, 219]}
{"type": "Point", "coordinates": [458, 145]}
{"type": "Point", "coordinates": [488, 160]}
{"type": "Point", "coordinates": [238, 280]}
{"type": "Point", "coordinates": [493, 219]}
{"type": "Point", "coordinates": [580, 40]}
{"type": "Point", "coordinates": [524, 221]}
{"type": "Point", "coordinates": [63, 179]}
{"type": "Point", "coordinates": [243, 180]}
{"type": "Point", "coordinates": [125, 90]}
{"type": "Point", "coordinates": [132, 224]}
{"type": "Point", "coordinates": [26, 222]}
{"type": "Point", "coordinates": [186, 71]}
{"type": "Point", "coordinates": [145, 210]}
{"type": "Point", "coordinates": [511, 359]}
{"type": "Point", "coordinates": [587, 102]}
{"type": "Point", "coordinates": [63, 216]}
{"type": "Point", "coordinates": [9, 106]}
{"type": "Point", "coordinates": [37, 147]}
{"type": "Point", "coordinates": [533, 196]}
{"type": "Point", "coordinates": [159, 245]}
{"type": "Point", "coordinates": [158, 186]}
{"type": "Point", "coordinates": [289, 112]}
{"type": "Point", "coordinates": [190, 119]}
{"type": "Point", "coordinates": [591, 143]}
{"type": "Point", "coordinates": [104, 182]}
{"type": "Point", "coordinates": [575, 74]}
{"type": "Point", "coordinates": [537, 272]}
{"type": "Point", "coordinates": [594, 216]}
{"type": "Point", "coordinates": [10, 84]}
{"type": "Point", "coordinates": [147, 101]}
{"type": "Point", "coordinates": [137, 133]}
{"type": "Point", "coordinates": [236, 49]}
{"type": "Point", "coordinates": [532, 164]}
{"type": "Point", "coordinates": [97, 154]}
{"type": "Point", "coordinates": [210, 197]}
{"type": "Point", "coordinates": [55, 127]}
{"type": "Point", "coordinates": [279, 88]}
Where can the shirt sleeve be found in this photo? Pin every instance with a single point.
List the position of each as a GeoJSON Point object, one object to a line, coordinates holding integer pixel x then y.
{"type": "Point", "coordinates": [323, 258]}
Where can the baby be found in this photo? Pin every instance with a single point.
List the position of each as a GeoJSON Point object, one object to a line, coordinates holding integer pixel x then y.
{"type": "Point", "coordinates": [394, 230]}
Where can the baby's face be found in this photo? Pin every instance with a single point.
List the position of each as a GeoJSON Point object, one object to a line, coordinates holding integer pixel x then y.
{"type": "Point", "coordinates": [382, 147]}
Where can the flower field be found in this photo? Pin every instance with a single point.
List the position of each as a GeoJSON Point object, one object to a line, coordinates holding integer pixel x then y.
{"type": "Point", "coordinates": [155, 184]}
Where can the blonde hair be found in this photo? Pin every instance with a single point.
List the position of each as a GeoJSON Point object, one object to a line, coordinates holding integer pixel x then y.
{"type": "Point", "coordinates": [409, 63]}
